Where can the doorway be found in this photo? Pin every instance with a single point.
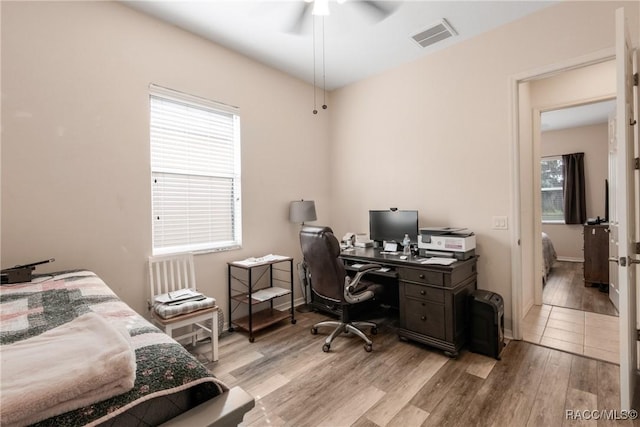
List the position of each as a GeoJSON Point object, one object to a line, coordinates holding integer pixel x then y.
{"type": "Point", "coordinates": [575, 256]}
{"type": "Point", "coordinates": [562, 322]}
{"type": "Point", "coordinates": [576, 313]}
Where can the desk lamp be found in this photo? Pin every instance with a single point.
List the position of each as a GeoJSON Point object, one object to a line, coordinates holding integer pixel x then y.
{"type": "Point", "coordinates": [302, 210]}
{"type": "Point", "coordinates": [299, 212]}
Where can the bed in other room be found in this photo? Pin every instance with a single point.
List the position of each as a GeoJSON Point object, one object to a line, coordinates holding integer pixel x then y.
{"type": "Point", "coordinates": [549, 256]}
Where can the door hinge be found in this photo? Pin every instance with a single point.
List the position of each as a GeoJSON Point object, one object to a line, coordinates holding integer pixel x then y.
{"type": "Point", "coordinates": [637, 247]}
{"type": "Point", "coordinates": [636, 163]}
{"type": "Point", "coordinates": [637, 334]}
{"type": "Point", "coordinates": [635, 79]}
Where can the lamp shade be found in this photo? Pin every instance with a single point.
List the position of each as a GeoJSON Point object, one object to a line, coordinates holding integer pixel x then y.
{"type": "Point", "coordinates": [301, 211]}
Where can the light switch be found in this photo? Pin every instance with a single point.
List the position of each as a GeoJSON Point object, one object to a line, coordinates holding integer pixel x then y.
{"type": "Point", "coordinates": [500, 223]}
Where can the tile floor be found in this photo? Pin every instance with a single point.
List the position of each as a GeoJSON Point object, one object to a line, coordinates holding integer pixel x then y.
{"type": "Point", "coordinates": [575, 331]}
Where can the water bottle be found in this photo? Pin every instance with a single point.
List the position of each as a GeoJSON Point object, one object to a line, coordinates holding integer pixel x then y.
{"type": "Point", "coordinates": [406, 245]}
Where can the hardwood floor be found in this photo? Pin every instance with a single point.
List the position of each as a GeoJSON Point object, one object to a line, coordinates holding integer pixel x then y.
{"type": "Point", "coordinates": [565, 288]}
{"type": "Point", "coordinates": [405, 383]}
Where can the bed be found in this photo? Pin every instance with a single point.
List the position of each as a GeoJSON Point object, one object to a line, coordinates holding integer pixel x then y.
{"type": "Point", "coordinates": [549, 256]}
{"type": "Point", "coordinates": [140, 375]}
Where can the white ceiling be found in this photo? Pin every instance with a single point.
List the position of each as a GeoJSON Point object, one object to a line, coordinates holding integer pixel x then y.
{"type": "Point", "coordinates": [357, 44]}
{"type": "Point", "coordinates": [582, 115]}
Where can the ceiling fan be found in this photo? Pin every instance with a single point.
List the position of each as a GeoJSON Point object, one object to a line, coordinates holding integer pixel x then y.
{"type": "Point", "coordinates": [377, 10]}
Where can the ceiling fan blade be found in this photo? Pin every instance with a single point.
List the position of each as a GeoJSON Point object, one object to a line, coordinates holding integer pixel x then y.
{"type": "Point", "coordinates": [303, 10]}
{"type": "Point", "coordinates": [378, 9]}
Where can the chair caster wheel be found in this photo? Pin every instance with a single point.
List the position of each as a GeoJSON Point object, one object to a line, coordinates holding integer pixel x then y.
{"type": "Point", "coordinates": [368, 347]}
{"type": "Point", "coordinates": [326, 348]}
{"type": "Point", "coordinates": [374, 331]}
{"type": "Point", "coordinates": [293, 321]}
{"type": "Point", "coordinates": [314, 331]}
{"type": "Point", "coordinates": [252, 339]}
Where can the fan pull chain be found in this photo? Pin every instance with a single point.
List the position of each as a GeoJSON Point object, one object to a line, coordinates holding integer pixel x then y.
{"type": "Point", "coordinates": [324, 85]}
{"type": "Point", "coordinates": [315, 110]}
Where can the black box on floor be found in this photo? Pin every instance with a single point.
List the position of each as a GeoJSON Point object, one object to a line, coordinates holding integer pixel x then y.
{"type": "Point", "coordinates": [486, 323]}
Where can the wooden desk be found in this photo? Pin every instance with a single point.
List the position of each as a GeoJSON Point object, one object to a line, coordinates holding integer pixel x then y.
{"type": "Point", "coordinates": [433, 299]}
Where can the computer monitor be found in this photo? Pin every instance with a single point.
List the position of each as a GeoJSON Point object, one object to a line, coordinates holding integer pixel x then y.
{"type": "Point", "coordinates": [392, 225]}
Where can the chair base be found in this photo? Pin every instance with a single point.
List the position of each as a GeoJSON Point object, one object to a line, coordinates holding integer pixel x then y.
{"type": "Point", "coordinates": [347, 327]}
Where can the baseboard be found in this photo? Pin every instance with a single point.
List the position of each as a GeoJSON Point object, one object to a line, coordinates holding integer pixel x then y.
{"type": "Point", "coordinates": [526, 309]}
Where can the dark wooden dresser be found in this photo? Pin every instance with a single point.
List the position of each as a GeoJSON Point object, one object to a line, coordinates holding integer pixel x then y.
{"type": "Point", "coordinates": [596, 254]}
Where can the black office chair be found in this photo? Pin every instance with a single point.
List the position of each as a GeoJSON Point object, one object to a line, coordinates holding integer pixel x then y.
{"type": "Point", "coordinates": [329, 280]}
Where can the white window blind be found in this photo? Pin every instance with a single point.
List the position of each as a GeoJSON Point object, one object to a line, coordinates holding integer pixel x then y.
{"type": "Point", "coordinates": [195, 173]}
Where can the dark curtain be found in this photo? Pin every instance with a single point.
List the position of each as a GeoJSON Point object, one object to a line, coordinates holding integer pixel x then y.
{"type": "Point", "coordinates": [575, 206]}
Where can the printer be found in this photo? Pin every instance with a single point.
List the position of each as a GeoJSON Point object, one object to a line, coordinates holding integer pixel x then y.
{"type": "Point", "coordinates": [448, 242]}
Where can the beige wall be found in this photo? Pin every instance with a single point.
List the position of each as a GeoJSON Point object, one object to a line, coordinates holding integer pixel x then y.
{"type": "Point", "coordinates": [593, 142]}
{"type": "Point", "coordinates": [435, 135]}
{"type": "Point", "coordinates": [75, 140]}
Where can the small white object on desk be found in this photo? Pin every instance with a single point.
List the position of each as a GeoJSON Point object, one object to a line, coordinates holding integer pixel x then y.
{"type": "Point", "coordinates": [438, 261]}
{"type": "Point", "coordinates": [390, 247]}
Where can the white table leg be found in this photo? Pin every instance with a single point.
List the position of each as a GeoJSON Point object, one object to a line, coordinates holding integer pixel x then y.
{"type": "Point", "coordinates": [214, 337]}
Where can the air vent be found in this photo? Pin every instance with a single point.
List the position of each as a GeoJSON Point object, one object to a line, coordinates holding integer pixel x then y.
{"type": "Point", "coordinates": [434, 34]}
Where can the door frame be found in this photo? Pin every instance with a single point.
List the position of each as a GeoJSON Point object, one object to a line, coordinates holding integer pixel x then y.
{"type": "Point", "coordinates": [537, 201]}
{"type": "Point", "coordinates": [626, 110]}
{"type": "Point", "coordinates": [517, 248]}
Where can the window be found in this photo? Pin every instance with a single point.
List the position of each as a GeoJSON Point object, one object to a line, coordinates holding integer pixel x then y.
{"type": "Point", "coordinates": [195, 173]}
{"type": "Point", "coordinates": [552, 183]}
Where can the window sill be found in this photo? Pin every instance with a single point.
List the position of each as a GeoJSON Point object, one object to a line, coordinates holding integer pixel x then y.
{"type": "Point", "coordinates": [196, 251]}
{"type": "Point", "coordinates": [225, 249]}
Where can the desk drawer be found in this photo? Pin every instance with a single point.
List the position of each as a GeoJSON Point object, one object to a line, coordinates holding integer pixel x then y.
{"type": "Point", "coordinates": [422, 276]}
{"type": "Point", "coordinates": [425, 318]}
{"type": "Point", "coordinates": [412, 290]}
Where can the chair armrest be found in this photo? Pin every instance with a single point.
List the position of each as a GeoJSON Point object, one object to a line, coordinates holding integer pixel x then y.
{"type": "Point", "coordinates": [351, 284]}
{"type": "Point", "coordinates": [368, 267]}
{"type": "Point", "coordinates": [361, 271]}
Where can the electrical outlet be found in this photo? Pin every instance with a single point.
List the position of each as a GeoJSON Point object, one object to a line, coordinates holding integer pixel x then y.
{"type": "Point", "coordinates": [500, 223]}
